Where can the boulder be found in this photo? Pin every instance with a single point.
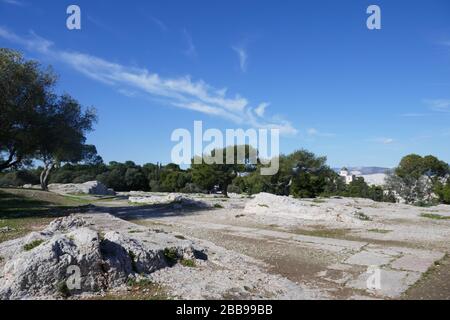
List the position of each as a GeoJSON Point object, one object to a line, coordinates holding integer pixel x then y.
{"type": "Point", "coordinates": [179, 200]}
{"type": "Point", "coordinates": [90, 187]}
{"type": "Point", "coordinates": [31, 186]}
{"type": "Point", "coordinates": [43, 264]}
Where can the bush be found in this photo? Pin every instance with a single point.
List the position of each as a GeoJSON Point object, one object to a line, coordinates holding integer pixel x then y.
{"type": "Point", "coordinates": [19, 178]}
{"type": "Point", "coordinates": [234, 189]}
{"type": "Point", "coordinates": [192, 188]}
{"type": "Point", "coordinates": [443, 192]}
{"type": "Point", "coordinates": [83, 178]}
{"type": "Point", "coordinates": [171, 256]}
{"type": "Point", "coordinates": [63, 289]}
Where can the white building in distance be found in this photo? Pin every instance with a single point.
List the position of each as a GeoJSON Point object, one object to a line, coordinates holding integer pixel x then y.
{"type": "Point", "coordinates": [347, 176]}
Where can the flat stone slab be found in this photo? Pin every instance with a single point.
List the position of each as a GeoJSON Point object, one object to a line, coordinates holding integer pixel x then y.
{"type": "Point", "coordinates": [340, 266]}
{"type": "Point", "coordinates": [369, 258]}
{"type": "Point", "coordinates": [333, 245]}
{"type": "Point", "coordinates": [416, 263]}
{"type": "Point", "coordinates": [392, 283]}
{"type": "Point", "coordinates": [336, 276]}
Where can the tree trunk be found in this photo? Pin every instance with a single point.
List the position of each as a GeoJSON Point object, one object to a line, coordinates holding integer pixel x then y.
{"type": "Point", "coordinates": [225, 190]}
{"type": "Point", "coordinates": [44, 175]}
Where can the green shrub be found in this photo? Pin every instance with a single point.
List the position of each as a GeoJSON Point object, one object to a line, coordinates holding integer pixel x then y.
{"type": "Point", "coordinates": [19, 178]}
{"type": "Point", "coordinates": [30, 246]}
{"type": "Point", "coordinates": [188, 263]}
{"type": "Point", "coordinates": [434, 216]}
{"type": "Point", "coordinates": [132, 256]}
{"type": "Point", "coordinates": [139, 283]}
{"type": "Point", "coordinates": [362, 216]}
{"type": "Point", "coordinates": [171, 256]}
{"type": "Point", "coordinates": [443, 191]}
{"type": "Point", "coordinates": [63, 289]}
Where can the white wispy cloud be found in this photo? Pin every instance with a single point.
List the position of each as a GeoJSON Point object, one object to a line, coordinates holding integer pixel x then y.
{"type": "Point", "coordinates": [261, 109]}
{"type": "Point", "coordinates": [191, 50]}
{"type": "Point", "coordinates": [161, 25]}
{"type": "Point", "coordinates": [414, 115]}
{"type": "Point", "coordinates": [440, 105]}
{"type": "Point", "coordinates": [14, 2]}
{"type": "Point", "coordinates": [243, 57]}
{"type": "Point", "coordinates": [313, 132]}
{"type": "Point", "coordinates": [384, 140]}
{"type": "Point", "coordinates": [181, 92]}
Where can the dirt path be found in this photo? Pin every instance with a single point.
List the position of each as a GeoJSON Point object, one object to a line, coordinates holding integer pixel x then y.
{"type": "Point", "coordinates": [434, 285]}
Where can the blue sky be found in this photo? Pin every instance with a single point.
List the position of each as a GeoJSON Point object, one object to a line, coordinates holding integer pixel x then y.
{"type": "Point", "coordinates": [310, 68]}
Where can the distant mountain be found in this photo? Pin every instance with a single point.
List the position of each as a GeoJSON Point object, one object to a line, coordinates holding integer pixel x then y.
{"type": "Point", "coordinates": [366, 170]}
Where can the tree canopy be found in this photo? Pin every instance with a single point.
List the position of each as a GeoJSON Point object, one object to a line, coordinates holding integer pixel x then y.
{"type": "Point", "coordinates": [417, 179]}
{"type": "Point", "coordinates": [36, 123]}
{"type": "Point", "coordinates": [25, 91]}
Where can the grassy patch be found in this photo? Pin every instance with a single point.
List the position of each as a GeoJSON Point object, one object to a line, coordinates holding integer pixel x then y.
{"type": "Point", "coordinates": [63, 289]}
{"type": "Point", "coordinates": [132, 256]}
{"type": "Point", "coordinates": [135, 231]}
{"type": "Point", "coordinates": [20, 202]}
{"type": "Point", "coordinates": [144, 289]}
{"type": "Point", "coordinates": [434, 216]}
{"type": "Point", "coordinates": [171, 256]}
{"type": "Point", "coordinates": [218, 206]}
{"type": "Point", "coordinates": [23, 210]}
{"type": "Point", "coordinates": [34, 244]}
{"type": "Point", "coordinates": [362, 216]}
{"type": "Point", "coordinates": [324, 233]}
{"type": "Point", "coordinates": [263, 205]}
{"type": "Point", "coordinates": [379, 231]}
{"type": "Point", "coordinates": [317, 200]}
{"type": "Point", "coordinates": [188, 263]}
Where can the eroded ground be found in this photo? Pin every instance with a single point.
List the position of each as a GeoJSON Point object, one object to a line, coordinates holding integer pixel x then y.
{"type": "Point", "coordinates": [321, 249]}
{"type": "Point", "coordinates": [404, 244]}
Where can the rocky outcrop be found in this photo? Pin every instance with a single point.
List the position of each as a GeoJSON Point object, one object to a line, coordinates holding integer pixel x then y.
{"type": "Point", "coordinates": [179, 200]}
{"type": "Point", "coordinates": [72, 257]}
{"type": "Point", "coordinates": [91, 187]}
{"type": "Point", "coordinates": [266, 204]}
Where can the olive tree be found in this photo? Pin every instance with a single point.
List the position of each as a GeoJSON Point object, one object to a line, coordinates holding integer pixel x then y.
{"type": "Point", "coordinates": [62, 135]}
{"type": "Point", "coordinates": [25, 89]}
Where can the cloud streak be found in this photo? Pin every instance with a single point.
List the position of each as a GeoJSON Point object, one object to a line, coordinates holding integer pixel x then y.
{"type": "Point", "coordinates": [180, 92]}
{"type": "Point", "coordinates": [191, 50]}
{"type": "Point", "coordinates": [313, 132]}
{"type": "Point", "coordinates": [161, 25]}
{"type": "Point", "coordinates": [384, 140]}
{"type": "Point", "coordinates": [14, 2]}
{"type": "Point", "coordinates": [439, 105]}
{"type": "Point", "coordinates": [243, 57]}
